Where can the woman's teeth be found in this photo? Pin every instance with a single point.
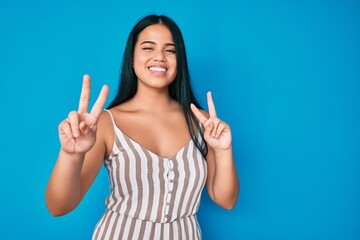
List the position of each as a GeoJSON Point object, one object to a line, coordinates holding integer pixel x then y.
{"type": "Point", "coordinates": [157, 69]}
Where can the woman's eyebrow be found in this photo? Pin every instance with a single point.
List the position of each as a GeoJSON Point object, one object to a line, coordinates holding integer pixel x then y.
{"type": "Point", "coordinates": [151, 42]}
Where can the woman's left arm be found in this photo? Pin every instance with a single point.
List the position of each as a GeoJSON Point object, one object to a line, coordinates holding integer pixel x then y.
{"type": "Point", "coordinates": [222, 181]}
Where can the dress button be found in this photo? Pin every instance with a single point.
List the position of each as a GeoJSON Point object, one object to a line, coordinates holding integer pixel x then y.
{"type": "Point", "coordinates": [171, 175]}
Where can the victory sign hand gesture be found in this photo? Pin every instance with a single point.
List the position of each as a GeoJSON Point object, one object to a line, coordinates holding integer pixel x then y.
{"type": "Point", "coordinates": [217, 133]}
{"type": "Point", "coordinates": [77, 133]}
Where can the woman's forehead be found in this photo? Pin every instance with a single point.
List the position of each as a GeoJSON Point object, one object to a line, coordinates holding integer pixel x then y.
{"type": "Point", "coordinates": [157, 33]}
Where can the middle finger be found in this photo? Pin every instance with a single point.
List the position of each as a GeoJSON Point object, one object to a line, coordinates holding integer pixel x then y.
{"type": "Point", "coordinates": [211, 106]}
{"type": "Point", "coordinates": [85, 95]}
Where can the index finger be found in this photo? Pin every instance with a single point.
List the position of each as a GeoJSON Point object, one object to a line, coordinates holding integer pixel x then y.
{"type": "Point", "coordinates": [100, 102]}
{"type": "Point", "coordinates": [85, 95]}
{"type": "Point", "coordinates": [198, 114]}
{"type": "Point", "coordinates": [211, 106]}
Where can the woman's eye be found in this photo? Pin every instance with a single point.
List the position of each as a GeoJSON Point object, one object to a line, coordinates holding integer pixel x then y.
{"type": "Point", "coordinates": [147, 48]}
{"type": "Point", "coordinates": [171, 51]}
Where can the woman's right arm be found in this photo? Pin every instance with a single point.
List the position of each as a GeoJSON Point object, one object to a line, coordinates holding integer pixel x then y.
{"type": "Point", "coordinates": [82, 151]}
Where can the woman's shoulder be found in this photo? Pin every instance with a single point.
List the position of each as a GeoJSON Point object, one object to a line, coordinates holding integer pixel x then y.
{"type": "Point", "coordinates": [109, 117]}
{"type": "Point", "coordinates": [121, 114]}
{"type": "Point", "coordinates": [105, 130]}
{"type": "Point", "coordinates": [126, 107]}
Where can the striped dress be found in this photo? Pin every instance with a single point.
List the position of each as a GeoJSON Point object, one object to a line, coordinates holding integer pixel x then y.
{"type": "Point", "coordinates": [151, 197]}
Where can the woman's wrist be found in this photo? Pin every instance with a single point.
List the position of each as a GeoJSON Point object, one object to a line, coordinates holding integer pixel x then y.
{"type": "Point", "coordinates": [71, 156]}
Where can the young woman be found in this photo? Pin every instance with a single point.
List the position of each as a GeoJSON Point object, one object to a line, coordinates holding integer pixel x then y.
{"type": "Point", "coordinates": [158, 146]}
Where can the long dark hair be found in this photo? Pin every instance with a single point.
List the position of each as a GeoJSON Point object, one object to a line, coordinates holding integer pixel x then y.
{"type": "Point", "coordinates": [180, 89]}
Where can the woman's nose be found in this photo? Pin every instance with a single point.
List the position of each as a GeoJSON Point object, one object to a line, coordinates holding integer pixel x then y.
{"type": "Point", "coordinates": [159, 56]}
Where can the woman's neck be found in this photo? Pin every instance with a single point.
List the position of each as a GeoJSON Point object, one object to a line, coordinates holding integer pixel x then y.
{"type": "Point", "coordinates": [153, 100]}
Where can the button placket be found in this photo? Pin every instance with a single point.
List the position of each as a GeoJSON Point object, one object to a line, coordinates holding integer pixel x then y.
{"type": "Point", "coordinates": [170, 185]}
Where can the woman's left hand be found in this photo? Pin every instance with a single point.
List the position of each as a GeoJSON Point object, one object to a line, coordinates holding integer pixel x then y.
{"type": "Point", "coordinates": [217, 133]}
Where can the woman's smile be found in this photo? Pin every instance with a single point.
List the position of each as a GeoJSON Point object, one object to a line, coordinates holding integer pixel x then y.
{"type": "Point", "coordinates": [158, 71]}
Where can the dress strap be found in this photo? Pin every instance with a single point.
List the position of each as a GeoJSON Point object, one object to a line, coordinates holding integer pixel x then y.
{"type": "Point", "coordinates": [199, 135]}
{"type": "Point", "coordinates": [117, 147]}
{"type": "Point", "coordinates": [111, 116]}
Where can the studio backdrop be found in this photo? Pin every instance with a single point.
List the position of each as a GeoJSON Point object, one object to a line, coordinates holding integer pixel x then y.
{"type": "Point", "coordinates": [284, 74]}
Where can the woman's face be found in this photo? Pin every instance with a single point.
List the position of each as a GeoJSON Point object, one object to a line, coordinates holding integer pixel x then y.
{"type": "Point", "coordinates": [155, 57]}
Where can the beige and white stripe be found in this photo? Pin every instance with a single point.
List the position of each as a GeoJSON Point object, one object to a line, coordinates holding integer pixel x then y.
{"type": "Point", "coordinates": [152, 197]}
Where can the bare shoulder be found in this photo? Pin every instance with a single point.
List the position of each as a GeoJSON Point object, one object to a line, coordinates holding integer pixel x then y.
{"type": "Point", "coordinates": [104, 122]}
{"type": "Point", "coordinates": [121, 109]}
{"type": "Point", "coordinates": [105, 131]}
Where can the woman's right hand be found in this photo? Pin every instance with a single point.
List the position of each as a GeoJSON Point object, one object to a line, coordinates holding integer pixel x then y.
{"type": "Point", "coordinates": [77, 133]}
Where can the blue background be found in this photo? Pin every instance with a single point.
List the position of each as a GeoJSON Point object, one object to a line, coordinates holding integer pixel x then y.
{"type": "Point", "coordinates": [284, 74]}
